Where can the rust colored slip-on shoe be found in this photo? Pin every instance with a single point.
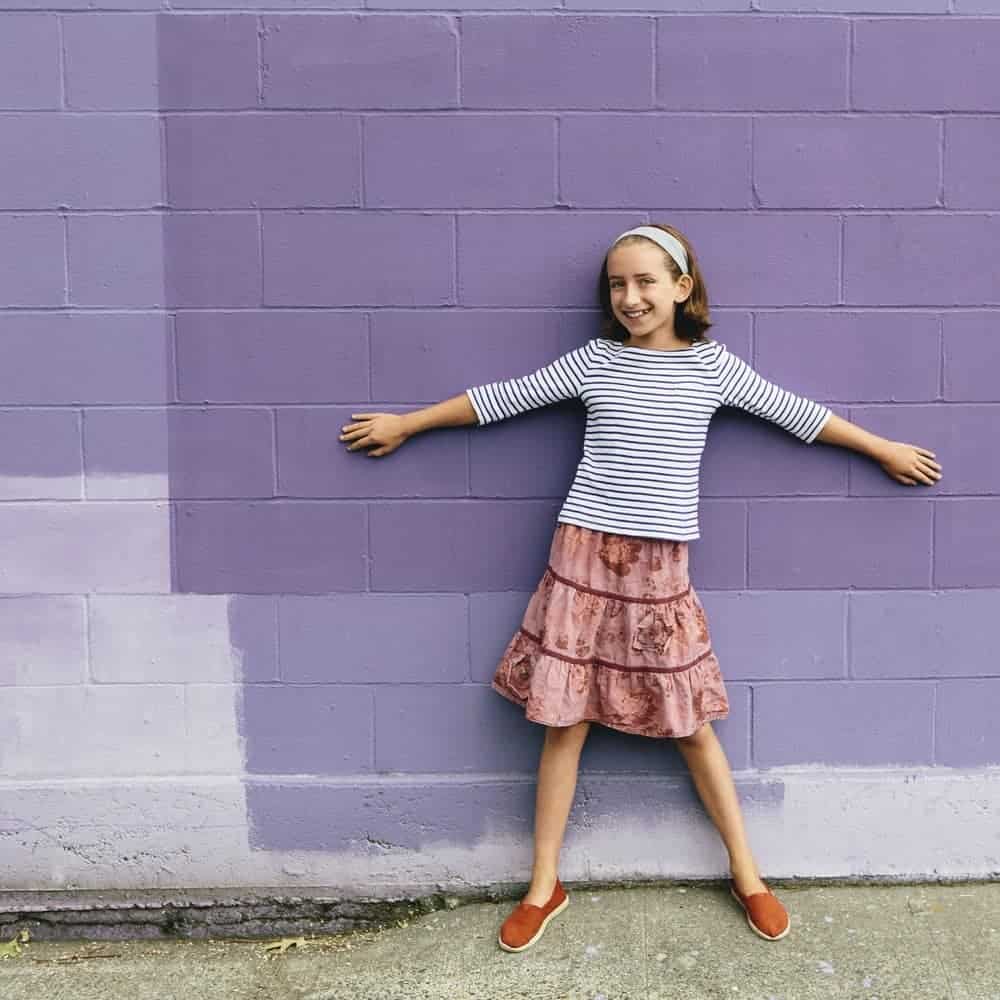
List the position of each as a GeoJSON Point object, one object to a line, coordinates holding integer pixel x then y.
{"type": "Point", "coordinates": [527, 922]}
{"type": "Point", "coordinates": [765, 914]}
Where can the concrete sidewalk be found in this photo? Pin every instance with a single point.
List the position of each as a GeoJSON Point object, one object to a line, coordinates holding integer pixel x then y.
{"type": "Point", "coordinates": [665, 942]}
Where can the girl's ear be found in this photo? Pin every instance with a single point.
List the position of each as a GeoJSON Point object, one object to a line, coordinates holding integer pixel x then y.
{"type": "Point", "coordinates": [685, 285]}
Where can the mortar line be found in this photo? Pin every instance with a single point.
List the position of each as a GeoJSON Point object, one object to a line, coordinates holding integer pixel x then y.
{"type": "Point", "coordinates": [67, 285]}
{"type": "Point", "coordinates": [362, 160]}
{"type": "Point", "coordinates": [88, 654]}
{"type": "Point", "coordinates": [849, 81]}
{"type": "Point", "coordinates": [468, 636]}
{"type": "Point", "coordinates": [941, 359]}
{"type": "Point", "coordinates": [81, 414]}
{"type": "Point", "coordinates": [275, 479]}
{"type": "Point", "coordinates": [934, 705]}
{"type": "Point", "coordinates": [61, 38]}
{"type": "Point", "coordinates": [276, 615]}
{"type": "Point", "coordinates": [259, 24]}
{"type": "Point", "coordinates": [369, 319]}
{"type": "Point", "coordinates": [654, 76]}
{"type": "Point", "coordinates": [173, 388]}
{"type": "Point", "coordinates": [848, 622]}
{"type": "Point", "coordinates": [942, 138]}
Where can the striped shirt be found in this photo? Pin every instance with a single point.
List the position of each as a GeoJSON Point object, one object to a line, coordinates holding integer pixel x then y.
{"type": "Point", "coordinates": [648, 412]}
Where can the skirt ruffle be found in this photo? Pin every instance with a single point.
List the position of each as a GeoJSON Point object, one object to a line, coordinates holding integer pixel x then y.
{"type": "Point", "coordinates": [615, 634]}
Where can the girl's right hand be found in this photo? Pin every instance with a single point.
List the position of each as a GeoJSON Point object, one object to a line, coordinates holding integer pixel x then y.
{"type": "Point", "coordinates": [385, 431]}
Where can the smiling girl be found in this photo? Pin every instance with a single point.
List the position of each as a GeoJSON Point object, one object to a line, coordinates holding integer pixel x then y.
{"type": "Point", "coordinates": [614, 632]}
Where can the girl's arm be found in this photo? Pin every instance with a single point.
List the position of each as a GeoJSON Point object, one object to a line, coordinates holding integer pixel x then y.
{"type": "Point", "coordinates": [478, 405]}
{"type": "Point", "coordinates": [387, 431]}
{"type": "Point", "coordinates": [906, 463]}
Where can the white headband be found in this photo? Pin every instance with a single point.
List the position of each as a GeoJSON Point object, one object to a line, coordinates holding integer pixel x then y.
{"type": "Point", "coordinates": [671, 244]}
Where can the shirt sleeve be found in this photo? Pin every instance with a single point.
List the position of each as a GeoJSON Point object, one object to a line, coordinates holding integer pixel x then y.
{"type": "Point", "coordinates": [747, 389]}
{"type": "Point", "coordinates": [561, 379]}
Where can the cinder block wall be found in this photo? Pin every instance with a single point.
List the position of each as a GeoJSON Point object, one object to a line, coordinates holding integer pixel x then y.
{"type": "Point", "coordinates": [234, 654]}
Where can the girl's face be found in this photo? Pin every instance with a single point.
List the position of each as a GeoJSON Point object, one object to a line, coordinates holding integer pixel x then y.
{"type": "Point", "coordinates": [643, 292]}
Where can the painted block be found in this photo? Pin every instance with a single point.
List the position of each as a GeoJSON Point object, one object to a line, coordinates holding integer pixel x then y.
{"type": "Point", "coordinates": [917, 635]}
{"type": "Point", "coordinates": [459, 161]}
{"type": "Point", "coordinates": [460, 545]}
{"type": "Point", "coordinates": [77, 548]}
{"type": "Point", "coordinates": [967, 543]}
{"type": "Point", "coordinates": [32, 261]}
{"type": "Point", "coordinates": [461, 727]}
{"type": "Point", "coordinates": [314, 729]}
{"type": "Point", "coordinates": [827, 543]}
{"type": "Point", "coordinates": [29, 61]}
{"type": "Point", "coordinates": [778, 635]}
{"type": "Point", "coordinates": [182, 638]}
{"type": "Point", "coordinates": [373, 638]}
{"type": "Point", "coordinates": [563, 61]}
{"type": "Point", "coordinates": [359, 61]}
{"type": "Point", "coordinates": [397, 259]}
{"type": "Point", "coordinates": [904, 244]}
{"type": "Point", "coordinates": [180, 453]}
{"type": "Point", "coordinates": [263, 160]}
{"type": "Point", "coordinates": [830, 722]}
{"type": "Point", "coordinates": [851, 356]}
{"type": "Point", "coordinates": [61, 358]}
{"type": "Point", "coordinates": [162, 61]}
{"type": "Point", "coordinates": [829, 161]}
{"type": "Point", "coordinates": [42, 641]}
{"type": "Point", "coordinates": [270, 357]}
{"type": "Point", "coordinates": [971, 356]}
{"type": "Point", "coordinates": [710, 168]}
{"type": "Point", "coordinates": [925, 64]}
{"type": "Point", "coordinates": [40, 455]}
{"type": "Point", "coordinates": [965, 723]}
{"type": "Point", "coordinates": [176, 260]}
{"type": "Point", "coordinates": [752, 63]}
{"type": "Point", "coordinates": [305, 547]}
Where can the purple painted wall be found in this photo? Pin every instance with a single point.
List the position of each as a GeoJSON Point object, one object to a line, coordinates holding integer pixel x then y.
{"type": "Point", "coordinates": [224, 231]}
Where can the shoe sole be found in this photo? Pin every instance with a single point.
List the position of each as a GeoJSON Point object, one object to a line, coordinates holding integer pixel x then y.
{"type": "Point", "coordinates": [506, 947]}
{"type": "Point", "coordinates": [753, 926]}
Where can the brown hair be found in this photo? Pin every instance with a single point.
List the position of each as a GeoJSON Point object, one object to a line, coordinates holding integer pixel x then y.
{"type": "Point", "coordinates": [691, 318]}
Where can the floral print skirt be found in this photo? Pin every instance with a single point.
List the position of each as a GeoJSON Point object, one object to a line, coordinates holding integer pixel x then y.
{"type": "Point", "coordinates": [614, 633]}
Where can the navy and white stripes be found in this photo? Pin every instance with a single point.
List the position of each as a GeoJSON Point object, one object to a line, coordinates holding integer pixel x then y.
{"type": "Point", "coordinates": [647, 419]}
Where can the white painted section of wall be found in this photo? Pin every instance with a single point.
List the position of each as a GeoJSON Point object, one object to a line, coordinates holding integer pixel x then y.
{"type": "Point", "coordinates": [189, 833]}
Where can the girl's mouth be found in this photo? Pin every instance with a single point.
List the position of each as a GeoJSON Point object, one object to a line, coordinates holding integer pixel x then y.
{"type": "Point", "coordinates": [637, 315]}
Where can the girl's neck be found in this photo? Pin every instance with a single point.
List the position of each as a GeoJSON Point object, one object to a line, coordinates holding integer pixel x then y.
{"type": "Point", "coordinates": [659, 344]}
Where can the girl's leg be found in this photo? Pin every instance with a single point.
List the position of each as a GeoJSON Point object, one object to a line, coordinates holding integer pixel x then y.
{"type": "Point", "coordinates": [557, 772]}
{"type": "Point", "coordinates": [709, 767]}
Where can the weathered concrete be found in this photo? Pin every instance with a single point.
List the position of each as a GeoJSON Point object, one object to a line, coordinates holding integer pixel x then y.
{"type": "Point", "coordinates": [904, 942]}
{"type": "Point", "coordinates": [370, 837]}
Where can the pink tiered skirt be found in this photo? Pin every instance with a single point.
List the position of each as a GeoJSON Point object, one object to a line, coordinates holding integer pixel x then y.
{"type": "Point", "coordinates": [614, 633]}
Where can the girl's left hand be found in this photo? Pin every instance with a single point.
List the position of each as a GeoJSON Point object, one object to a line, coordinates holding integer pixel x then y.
{"type": "Point", "coordinates": [909, 464]}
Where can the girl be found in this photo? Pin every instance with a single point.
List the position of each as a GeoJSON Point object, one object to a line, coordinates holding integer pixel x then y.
{"type": "Point", "coordinates": [614, 632]}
